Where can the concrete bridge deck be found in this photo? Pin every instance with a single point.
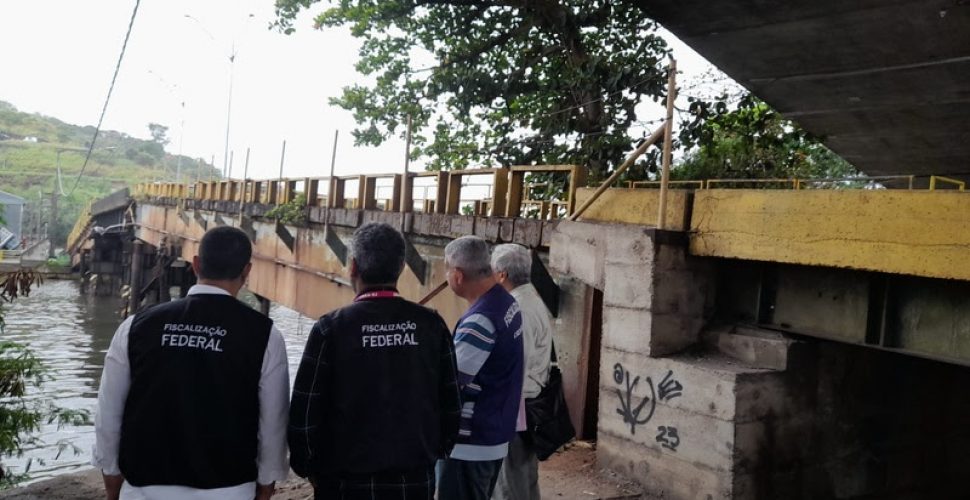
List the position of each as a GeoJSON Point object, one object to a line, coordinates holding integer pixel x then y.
{"type": "Point", "coordinates": [693, 353]}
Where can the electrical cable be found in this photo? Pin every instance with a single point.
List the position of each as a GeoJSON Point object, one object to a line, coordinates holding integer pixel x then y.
{"type": "Point", "coordinates": [104, 109]}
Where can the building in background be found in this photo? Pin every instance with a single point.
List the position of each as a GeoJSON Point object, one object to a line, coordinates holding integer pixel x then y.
{"type": "Point", "coordinates": [12, 214]}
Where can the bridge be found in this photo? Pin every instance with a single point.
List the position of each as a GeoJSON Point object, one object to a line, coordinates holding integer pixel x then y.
{"type": "Point", "coordinates": [717, 341]}
{"type": "Point", "coordinates": [765, 343]}
{"type": "Point", "coordinates": [884, 82]}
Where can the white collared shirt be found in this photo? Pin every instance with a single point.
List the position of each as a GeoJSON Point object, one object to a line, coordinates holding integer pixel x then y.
{"type": "Point", "coordinates": [274, 391]}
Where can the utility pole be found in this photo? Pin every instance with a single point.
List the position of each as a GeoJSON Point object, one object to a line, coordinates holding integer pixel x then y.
{"type": "Point", "coordinates": [52, 223]}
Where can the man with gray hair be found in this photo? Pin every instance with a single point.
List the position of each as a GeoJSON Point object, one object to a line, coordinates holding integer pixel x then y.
{"type": "Point", "coordinates": [512, 264]}
{"type": "Point", "coordinates": [376, 402]}
{"type": "Point", "coordinates": [488, 346]}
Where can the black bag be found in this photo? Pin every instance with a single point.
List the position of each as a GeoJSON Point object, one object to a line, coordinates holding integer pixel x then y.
{"type": "Point", "coordinates": [547, 417]}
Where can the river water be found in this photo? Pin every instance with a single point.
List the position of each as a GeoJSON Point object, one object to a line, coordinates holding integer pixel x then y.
{"type": "Point", "coordinates": [70, 332]}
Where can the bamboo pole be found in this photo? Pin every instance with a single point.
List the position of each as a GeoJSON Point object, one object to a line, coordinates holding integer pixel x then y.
{"type": "Point", "coordinates": [433, 293]}
{"type": "Point", "coordinates": [668, 144]}
{"type": "Point", "coordinates": [657, 134]}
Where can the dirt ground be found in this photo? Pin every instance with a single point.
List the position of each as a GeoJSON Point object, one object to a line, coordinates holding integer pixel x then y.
{"type": "Point", "coordinates": [569, 475]}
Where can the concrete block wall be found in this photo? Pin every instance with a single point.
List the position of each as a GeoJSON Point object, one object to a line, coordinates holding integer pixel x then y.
{"type": "Point", "coordinates": [655, 297]}
{"type": "Point", "coordinates": [751, 414]}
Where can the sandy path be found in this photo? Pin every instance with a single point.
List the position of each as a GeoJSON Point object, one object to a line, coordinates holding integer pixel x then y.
{"type": "Point", "coordinates": [569, 475]}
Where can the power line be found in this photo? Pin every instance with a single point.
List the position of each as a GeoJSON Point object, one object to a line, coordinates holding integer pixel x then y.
{"type": "Point", "coordinates": [104, 109]}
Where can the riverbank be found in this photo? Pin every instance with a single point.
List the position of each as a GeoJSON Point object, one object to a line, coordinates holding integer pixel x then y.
{"type": "Point", "coordinates": [568, 475]}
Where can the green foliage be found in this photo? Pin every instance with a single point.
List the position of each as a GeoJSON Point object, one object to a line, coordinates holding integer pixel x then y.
{"type": "Point", "coordinates": [512, 82]}
{"type": "Point", "coordinates": [753, 142]}
{"type": "Point", "coordinates": [159, 133]}
{"type": "Point", "coordinates": [28, 169]}
{"type": "Point", "coordinates": [22, 416]}
{"type": "Point", "coordinates": [293, 212]}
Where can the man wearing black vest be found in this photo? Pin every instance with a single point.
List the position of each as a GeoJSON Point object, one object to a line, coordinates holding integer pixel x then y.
{"type": "Point", "coordinates": [193, 399]}
{"type": "Point", "coordinates": [375, 402]}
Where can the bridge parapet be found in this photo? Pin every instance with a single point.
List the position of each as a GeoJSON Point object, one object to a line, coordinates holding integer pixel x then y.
{"type": "Point", "coordinates": [507, 193]}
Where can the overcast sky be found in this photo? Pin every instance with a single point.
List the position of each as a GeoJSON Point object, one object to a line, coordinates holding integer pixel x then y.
{"type": "Point", "coordinates": [59, 56]}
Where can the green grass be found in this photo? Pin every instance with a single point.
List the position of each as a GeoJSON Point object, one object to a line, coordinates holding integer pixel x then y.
{"type": "Point", "coordinates": [119, 161]}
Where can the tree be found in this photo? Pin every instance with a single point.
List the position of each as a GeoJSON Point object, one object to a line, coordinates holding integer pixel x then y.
{"type": "Point", "coordinates": [752, 141]}
{"type": "Point", "coordinates": [159, 133]}
{"type": "Point", "coordinates": [512, 81]}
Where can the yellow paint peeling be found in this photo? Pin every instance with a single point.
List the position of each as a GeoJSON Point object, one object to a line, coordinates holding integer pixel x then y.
{"type": "Point", "coordinates": [919, 233]}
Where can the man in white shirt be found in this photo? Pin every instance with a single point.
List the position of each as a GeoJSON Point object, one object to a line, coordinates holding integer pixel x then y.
{"type": "Point", "coordinates": [512, 264]}
{"type": "Point", "coordinates": [194, 397]}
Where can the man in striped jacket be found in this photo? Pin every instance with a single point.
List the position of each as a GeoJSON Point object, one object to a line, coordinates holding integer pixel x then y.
{"type": "Point", "coordinates": [488, 346]}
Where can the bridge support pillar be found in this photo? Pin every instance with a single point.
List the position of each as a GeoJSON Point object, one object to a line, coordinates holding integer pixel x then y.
{"type": "Point", "coordinates": [264, 304]}
{"type": "Point", "coordinates": [692, 411]}
{"type": "Point", "coordinates": [135, 281]}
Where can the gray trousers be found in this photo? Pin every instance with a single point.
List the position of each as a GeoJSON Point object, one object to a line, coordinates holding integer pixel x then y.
{"type": "Point", "coordinates": [519, 477]}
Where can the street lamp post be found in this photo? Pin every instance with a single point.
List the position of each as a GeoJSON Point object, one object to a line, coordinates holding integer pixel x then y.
{"type": "Point", "coordinates": [232, 65]}
{"type": "Point", "coordinates": [176, 89]}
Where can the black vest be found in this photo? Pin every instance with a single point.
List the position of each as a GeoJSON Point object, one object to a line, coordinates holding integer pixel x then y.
{"type": "Point", "coordinates": [192, 413]}
{"type": "Point", "coordinates": [384, 392]}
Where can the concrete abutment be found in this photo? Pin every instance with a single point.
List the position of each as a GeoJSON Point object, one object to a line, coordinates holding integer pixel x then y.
{"type": "Point", "coordinates": [691, 410]}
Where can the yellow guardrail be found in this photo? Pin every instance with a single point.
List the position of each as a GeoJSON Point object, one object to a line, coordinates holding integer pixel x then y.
{"type": "Point", "coordinates": [960, 185]}
{"type": "Point", "coordinates": [80, 227]}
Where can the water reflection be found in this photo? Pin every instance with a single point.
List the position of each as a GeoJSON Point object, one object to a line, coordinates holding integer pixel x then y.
{"type": "Point", "coordinates": [70, 333]}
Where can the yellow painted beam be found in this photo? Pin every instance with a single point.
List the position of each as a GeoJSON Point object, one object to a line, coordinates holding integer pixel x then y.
{"type": "Point", "coordinates": [635, 206]}
{"type": "Point", "coordinates": [920, 233]}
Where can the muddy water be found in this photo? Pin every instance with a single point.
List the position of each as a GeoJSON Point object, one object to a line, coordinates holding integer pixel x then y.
{"type": "Point", "coordinates": [70, 333]}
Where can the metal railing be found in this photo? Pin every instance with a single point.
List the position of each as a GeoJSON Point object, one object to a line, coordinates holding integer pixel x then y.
{"type": "Point", "coordinates": [442, 192]}
{"type": "Point", "coordinates": [904, 181]}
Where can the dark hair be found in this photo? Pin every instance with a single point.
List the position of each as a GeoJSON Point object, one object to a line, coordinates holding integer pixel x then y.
{"type": "Point", "coordinates": [223, 253]}
{"type": "Point", "coordinates": [378, 249]}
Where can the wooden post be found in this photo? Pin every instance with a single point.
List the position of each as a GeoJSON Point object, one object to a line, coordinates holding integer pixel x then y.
{"type": "Point", "coordinates": [257, 195]}
{"type": "Point", "coordinates": [396, 192]}
{"type": "Point", "coordinates": [668, 144]}
{"type": "Point", "coordinates": [441, 197]}
{"type": "Point", "coordinates": [272, 192]}
{"type": "Point", "coordinates": [264, 304]}
{"type": "Point", "coordinates": [543, 210]}
{"type": "Point", "coordinates": [369, 194]}
{"type": "Point", "coordinates": [516, 183]}
{"type": "Point", "coordinates": [134, 282]}
{"type": "Point", "coordinates": [500, 193]}
{"type": "Point", "coordinates": [407, 193]}
{"type": "Point", "coordinates": [337, 192]}
{"type": "Point", "coordinates": [289, 193]}
{"type": "Point", "coordinates": [657, 134]}
{"type": "Point", "coordinates": [453, 194]}
{"type": "Point", "coordinates": [312, 187]}
{"type": "Point", "coordinates": [577, 179]}
{"type": "Point", "coordinates": [361, 188]}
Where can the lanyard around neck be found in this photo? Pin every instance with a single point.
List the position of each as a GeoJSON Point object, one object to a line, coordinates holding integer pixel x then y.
{"type": "Point", "coordinates": [377, 294]}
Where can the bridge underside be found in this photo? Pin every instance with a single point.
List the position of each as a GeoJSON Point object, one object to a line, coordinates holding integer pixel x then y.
{"type": "Point", "coordinates": [883, 81]}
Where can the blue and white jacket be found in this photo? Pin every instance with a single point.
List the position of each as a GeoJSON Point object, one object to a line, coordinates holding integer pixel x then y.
{"type": "Point", "coordinates": [488, 346]}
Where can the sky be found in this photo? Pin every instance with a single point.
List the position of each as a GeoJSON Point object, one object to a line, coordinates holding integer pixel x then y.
{"type": "Point", "coordinates": [59, 56]}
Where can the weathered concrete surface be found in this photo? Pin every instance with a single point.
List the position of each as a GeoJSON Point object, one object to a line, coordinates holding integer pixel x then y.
{"type": "Point", "coordinates": [921, 233]}
{"type": "Point", "coordinates": [918, 316]}
{"type": "Point", "coordinates": [636, 206]}
{"type": "Point", "coordinates": [883, 81]}
{"type": "Point", "coordinates": [655, 297]}
{"type": "Point", "coordinates": [310, 278]}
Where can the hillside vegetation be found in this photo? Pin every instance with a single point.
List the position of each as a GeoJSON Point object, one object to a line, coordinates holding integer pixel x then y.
{"type": "Point", "coordinates": [28, 168]}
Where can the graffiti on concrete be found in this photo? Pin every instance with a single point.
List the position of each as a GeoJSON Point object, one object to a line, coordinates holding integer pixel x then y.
{"type": "Point", "coordinates": [631, 414]}
{"type": "Point", "coordinates": [669, 388]}
{"type": "Point", "coordinates": [636, 414]}
{"type": "Point", "coordinates": [668, 438]}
